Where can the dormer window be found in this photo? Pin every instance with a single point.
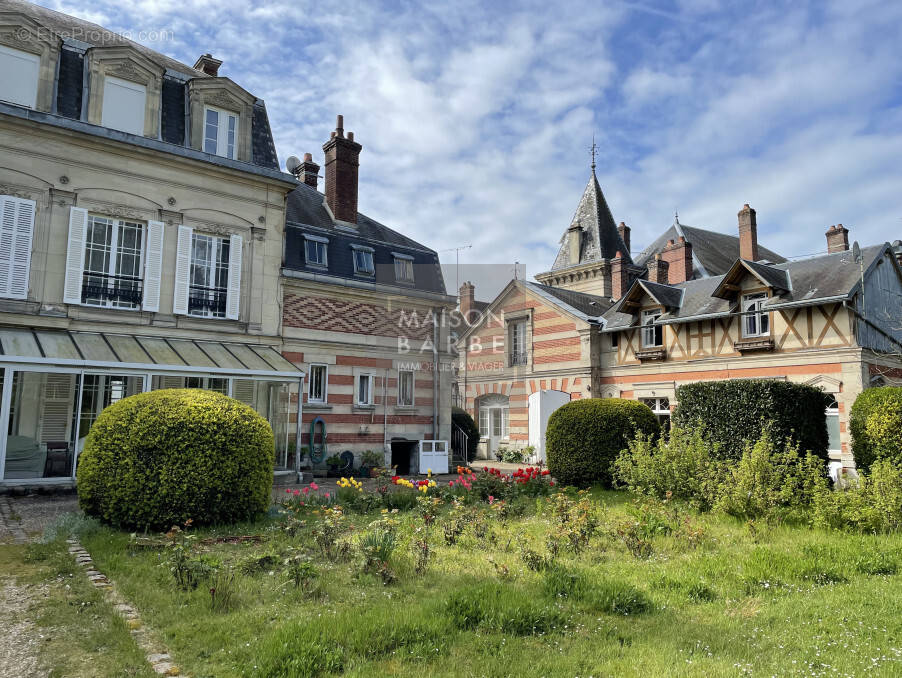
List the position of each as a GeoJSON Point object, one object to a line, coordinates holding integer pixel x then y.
{"type": "Point", "coordinates": [403, 268]}
{"type": "Point", "coordinates": [756, 323]}
{"type": "Point", "coordinates": [220, 132]}
{"type": "Point", "coordinates": [652, 334]}
{"type": "Point", "coordinates": [315, 250]}
{"type": "Point", "coordinates": [363, 260]}
{"type": "Point", "coordinates": [124, 105]}
{"type": "Point", "coordinates": [19, 76]}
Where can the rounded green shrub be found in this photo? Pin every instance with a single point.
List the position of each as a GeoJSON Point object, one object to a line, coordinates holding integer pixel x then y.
{"type": "Point", "coordinates": [876, 426]}
{"type": "Point", "coordinates": [585, 437]}
{"type": "Point", "coordinates": [157, 459]}
{"type": "Point", "coordinates": [463, 419]}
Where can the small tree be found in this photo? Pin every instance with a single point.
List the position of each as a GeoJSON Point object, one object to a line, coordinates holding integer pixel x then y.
{"type": "Point", "coordinates": [463, 419]}
{"type": "Point", "coordinates": [876, 426]}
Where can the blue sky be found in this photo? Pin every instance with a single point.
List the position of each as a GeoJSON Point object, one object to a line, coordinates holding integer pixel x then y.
{"type": "Point", "coordinates": [476, 118]}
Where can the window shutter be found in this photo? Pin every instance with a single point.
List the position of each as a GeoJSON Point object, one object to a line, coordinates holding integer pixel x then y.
{"type": "Point", "coordinates": [182, 271]}
{"type": "Point", "coordinates": [124, 105]}
{"type": "Point", "coordinates": [20, 71]}
{"type": "Point", "coordinates": [153, 265]}
{"type": "Point", "coordinates": [75, 255]}
{"type": "Point", "coordinates": [233, 298]}
{"type": "Point", "coordinates": [244, 390]}
{"type": "Point", "coordinates": [57, 408]}
{"type": "Point", "coordinates": [16, 232]}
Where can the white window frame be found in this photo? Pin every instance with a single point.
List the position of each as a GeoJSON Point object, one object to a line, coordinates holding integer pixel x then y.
{"type": "Point", "coordinates": [320, 244]}
{"type": "Point", "coordinates": [211, 271]}
{"type": "Point", "coordinates": [657, 406]}
{"type": "Point", "coordinates": [112, 265]}
{"type": "Point", "coordinates": [413, 381]}
{"type": "Point", "coordinates": [755, 321]}
{"type": "Point", "coordinates": [221, 141]}
{"type": "Point", "coordinates": [484, 422]}
{"type": "Point", "coordinates": [34, 62]}
{"type": "Point", "coordinates": [403, 268]}
{"type": "Point", "coordinates": [517, 355]}
{"type": "Point", "coordinates": [357, 381]}
{"type": "Point", "coordinates": [324, 396]}
{"type": "Point", "coordinates": [652, 334]}
{"type": "Point", "coordinates": [832, 410]}
{"type": "Point", "coordinates": [366, 252]}
{"type": "Point", "coordinates": [111, 84]}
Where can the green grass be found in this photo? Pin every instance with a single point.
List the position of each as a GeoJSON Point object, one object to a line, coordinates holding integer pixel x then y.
{"type": "Point", "coordinates": [773, 601]}
{"type": "Point", "coordinates": [83, 635]}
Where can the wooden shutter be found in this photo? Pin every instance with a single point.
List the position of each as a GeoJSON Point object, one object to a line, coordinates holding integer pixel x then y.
{"type": "Point", "coordinates": [245, 390]}
{"type": "Point", "coordinates": [182, 271]}
{"type": "Point", "coordinates": [233, 298]}
{"type": "Point", "coordinates": [75, 255]}
{"type": "Point", "coordinates": [58, 407]}
{"type": "Point", "coordinates": [16, 234]}
{"type": "Point", "coordinates": [153, 265]}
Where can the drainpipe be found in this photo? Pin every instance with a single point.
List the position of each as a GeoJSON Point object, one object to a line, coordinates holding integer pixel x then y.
{"type": "Point", "coordinates": [298, 430]}
{"type": "Point", "coordinates": [435, 375]}
{"type": "Point", "coordinates": [384, 411]}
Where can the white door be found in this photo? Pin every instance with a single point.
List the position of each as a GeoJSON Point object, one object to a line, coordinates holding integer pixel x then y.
{"type": "Point", "coordinates": [541, 405]}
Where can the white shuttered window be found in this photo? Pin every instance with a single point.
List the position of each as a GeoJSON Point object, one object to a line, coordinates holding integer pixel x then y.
{"type": "Point", "coordinates": [16, 235]}
{"type": "Point", "coordinates": [124, 104]}
{"type": "Point", "coordinates": [19, 76]}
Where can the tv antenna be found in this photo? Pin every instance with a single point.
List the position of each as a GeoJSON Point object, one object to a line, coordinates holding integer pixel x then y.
{"type": "Point", "coordinates": [456, 251]}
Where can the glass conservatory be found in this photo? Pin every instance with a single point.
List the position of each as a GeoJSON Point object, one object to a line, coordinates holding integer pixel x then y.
{"type": "Point", "coordinates": [54, 384]}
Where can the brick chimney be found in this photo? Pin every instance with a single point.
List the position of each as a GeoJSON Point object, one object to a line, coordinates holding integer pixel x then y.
{"type": "Point", "coordinates": [574, 240]}
{"type": "Point", "coordinates": [837, 239]}
{"type": "Point", "coordinates": [467, 300]}
{"type": "Point", "coordinates": [657, 270]}
{"type": "Point", "coordinates": [620, 277]}
{"type": "Point", "coordinates": [342, 161]}
{"type": "Point", "coordinates": [308, 172]}
{"type": "Point", "coordinates": [624, 232]}
{"type": "Point", "coordinates": [748, 234]}
{"type": "Point", "coordinates": [679, 255]}
{"type": "Point", "coordinates": [208, 64]}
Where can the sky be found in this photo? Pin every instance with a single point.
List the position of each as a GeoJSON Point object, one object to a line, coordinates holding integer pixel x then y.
{"type": "Point", "coordinates": [476, 118]}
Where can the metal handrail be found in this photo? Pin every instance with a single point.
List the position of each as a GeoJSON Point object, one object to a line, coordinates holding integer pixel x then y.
{"type": "Point", "coordinates": [110, 287]}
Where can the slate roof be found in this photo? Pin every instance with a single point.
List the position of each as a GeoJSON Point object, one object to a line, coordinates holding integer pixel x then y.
{"type": "Point", "coordinates": [812, 280]}
{"type": "Point", "coordinates": [600, 239]}
{"type": "Point", "coordinates": [78, 35]}
{"type": "Point", "coordinates": [712, 253]}
{"type": "Point", "coordinates": [579, 303]}
{"type": "Point", "coordinates": [306, 214]}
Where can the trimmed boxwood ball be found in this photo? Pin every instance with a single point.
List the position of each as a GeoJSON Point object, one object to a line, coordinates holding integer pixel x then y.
{"type": "Point", "coordinates": [876, 426]}
{"type": "Point", "coordinates": [584, 437]}
{"type": "Point", "coordinates": [156, 459]}
{"type": "Point", "coordinates": [733, 413]}
{"type": "Point", "coordinates": [463, 419]}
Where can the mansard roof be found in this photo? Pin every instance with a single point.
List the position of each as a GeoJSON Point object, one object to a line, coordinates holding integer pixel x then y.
{"type": "Point", "coordinates": [712, 253]}
{"type": "Point", "coordinates": [599, 235]}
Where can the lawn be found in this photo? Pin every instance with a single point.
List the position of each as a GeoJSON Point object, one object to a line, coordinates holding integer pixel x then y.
{"type": "Point", "coordinates": [633, 590]}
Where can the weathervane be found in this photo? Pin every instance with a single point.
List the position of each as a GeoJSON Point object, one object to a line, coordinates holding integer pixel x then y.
{"type": "Point", "coordinates": [593, 149]}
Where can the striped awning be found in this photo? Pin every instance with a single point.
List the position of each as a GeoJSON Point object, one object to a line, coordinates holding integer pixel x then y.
{"type": "Point", "coordinates": [157, 355]}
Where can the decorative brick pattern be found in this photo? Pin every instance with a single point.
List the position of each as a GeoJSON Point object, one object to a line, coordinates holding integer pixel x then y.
{"type": "Point", "coordinates": [334, 315]}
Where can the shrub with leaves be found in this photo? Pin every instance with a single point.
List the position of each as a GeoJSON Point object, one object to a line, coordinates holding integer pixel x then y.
{"type": "Point", "coordinates": [876, 426]}
{"type": "Point", "coordinates": [156, 459]}
{"type": "Point", "coordinates": [463, 419]}
{"type": "Point", "coordinates": [735, 412]}
{"type": "Point", "coordinates": [873, 502]}
{"type": "Point", "coordinates": [585, 437]}
{"type": "Point", "coordinates": [681, 466]}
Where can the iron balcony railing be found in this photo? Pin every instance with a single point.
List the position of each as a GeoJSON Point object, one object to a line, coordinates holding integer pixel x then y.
{"type": "Point", "coordinates": [518, 358]}
{"type": "Point", "coordinates": [117, 288]}
{"type": "Point", "coordinates": [211, 299]}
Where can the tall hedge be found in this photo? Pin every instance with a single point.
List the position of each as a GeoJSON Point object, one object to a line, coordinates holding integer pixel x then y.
{"type": "Point", "coordinates": [156, 459]}
{"type": "Point", "coordinates": [584, 438]}
{"type": "Point", "coordinates": [463, 419]}
{"type": "Point", "coordinates": [876, 426]}
{"type": "Point", "coordinates": [735, 412]}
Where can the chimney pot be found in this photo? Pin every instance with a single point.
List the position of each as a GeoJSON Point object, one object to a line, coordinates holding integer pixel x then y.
{"type": "Point", "coordinates": [308, 157]}
{"type": "Point", "coordinates": [350, 136]}
{"type": "Point", "coordinates": [342, 161]}
{"type": "Point", "coordinates": [837, 239]}
{"type": "Point", "coordinates": [308, 172]}
{"type": "Point", "coordinates": [748, 233]}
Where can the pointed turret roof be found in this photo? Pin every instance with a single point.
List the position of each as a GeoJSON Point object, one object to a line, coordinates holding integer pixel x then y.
{"type": "Point", "coordinates": [600, 238]}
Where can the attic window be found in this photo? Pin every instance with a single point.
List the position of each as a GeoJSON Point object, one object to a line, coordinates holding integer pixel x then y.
{"type": "Point", "coordinates": [755, 322]}
{"type": "Point", "coordinates": [220, 132]}
{"type": "Point", "coordinates": [124, 104]}
{"type": "Point", "coordinates": [315, 249]}
{"type": "Point", "coordinates": [19, 76]}
{"type": "Point", "coordinates": [652, 334]}
{"type": "Point", "coordinates": [403, 267]}
{"type": "Point", "coordinates": [363, 260]}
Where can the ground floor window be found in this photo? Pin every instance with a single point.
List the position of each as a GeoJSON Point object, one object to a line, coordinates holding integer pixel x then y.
{"type": "Point", "coordinates": [832, 412]}
{"type": "Point", "coordinates": [661, 409]}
